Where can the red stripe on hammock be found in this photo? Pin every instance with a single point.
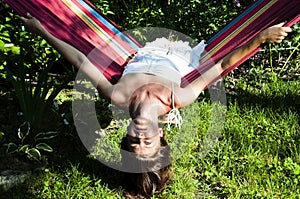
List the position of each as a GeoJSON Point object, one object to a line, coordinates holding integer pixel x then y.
{"type": "Point", "coordinates": [113, 23]}
{"type": "Point", "coordinates": [276, 14]}
{"type": "Point", "coordinates": [101, 44]}
{"type": "Point", "coordinates": [67, 27]}
{"type": "Point", "coordinates": [236, 25]}
{"type": "Point", "coordinates": [51, 16]}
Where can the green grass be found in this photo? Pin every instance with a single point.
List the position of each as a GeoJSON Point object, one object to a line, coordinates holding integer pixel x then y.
{"type": "Point", "coordinates": [257, 154]}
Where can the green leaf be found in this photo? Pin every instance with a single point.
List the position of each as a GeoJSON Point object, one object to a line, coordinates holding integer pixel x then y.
{"type": "Point", "coordinates": [21, 134]}
{"type": "Point", "coordinates": [296, 169]}
{"type": "Point", "coordinates": [15, 50]}
{"type": "Point", "coordinates": [1, 135]}
{"type": "Point", "coordinates": [24, 148]}
{"type": "Point", "coordinates": [7, 19]}
{"type": "Point", "coordinates": [46, 135]}
{"type": "Point", "coordinates": [11, 148]}
{"type": "Point", "coordinates": [44, 147]}
{"type": "Point", "coordinates": [2, 44]}
{"type": "Point", "coordinates": [34, 153]}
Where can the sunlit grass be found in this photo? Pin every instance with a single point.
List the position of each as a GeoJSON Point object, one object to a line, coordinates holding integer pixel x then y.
{"type": "Point", "coordinates": [256, 155]}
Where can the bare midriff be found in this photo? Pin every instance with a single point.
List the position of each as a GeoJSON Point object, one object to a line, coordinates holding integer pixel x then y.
{"type": "Point", "coordinates": [154, 88]}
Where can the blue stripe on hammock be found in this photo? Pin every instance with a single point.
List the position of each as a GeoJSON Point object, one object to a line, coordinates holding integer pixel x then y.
{"type": "Point", "coordinates": [109, 25]}
{"type": "Point", "coordinates": [242, 15]}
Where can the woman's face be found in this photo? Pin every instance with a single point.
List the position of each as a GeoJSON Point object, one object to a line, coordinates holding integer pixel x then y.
{"type": "Point", "coordinates": [144, 137]}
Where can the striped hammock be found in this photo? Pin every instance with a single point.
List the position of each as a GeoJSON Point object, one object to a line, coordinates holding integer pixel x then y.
{"type": "Point", "coordinates": [82, 25]}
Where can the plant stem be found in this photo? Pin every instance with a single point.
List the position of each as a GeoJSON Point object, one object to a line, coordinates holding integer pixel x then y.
{"type": "Point", "coordinates": [289, 57]}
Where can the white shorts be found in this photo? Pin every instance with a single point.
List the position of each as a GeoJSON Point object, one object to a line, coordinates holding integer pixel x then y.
{"type": "Point", "coordinates": [154, 63]}
{"type": "Point", "coordinates": [170, 64]}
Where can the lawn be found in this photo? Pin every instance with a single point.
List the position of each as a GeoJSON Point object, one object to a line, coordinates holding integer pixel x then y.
{"type": "Point", "coordinates": [254, 153]}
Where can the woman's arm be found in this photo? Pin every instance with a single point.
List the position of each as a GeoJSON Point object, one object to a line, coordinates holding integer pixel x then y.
{"type": "Point", "coordinates": [74, 56]}
{"type": "Point", "coordinates": [272, 34]}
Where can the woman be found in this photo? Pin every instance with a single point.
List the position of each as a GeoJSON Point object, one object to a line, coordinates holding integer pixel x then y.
{"type": "Point", "coordinates": [148, 94]}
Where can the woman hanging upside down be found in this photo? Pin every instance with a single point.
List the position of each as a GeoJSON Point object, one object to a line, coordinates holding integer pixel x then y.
{"type": "Point", "coordinates": [150, 88]}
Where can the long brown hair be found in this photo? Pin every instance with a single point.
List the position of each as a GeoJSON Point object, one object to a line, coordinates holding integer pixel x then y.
{"type": "Point", "coordinates": [157, 171]}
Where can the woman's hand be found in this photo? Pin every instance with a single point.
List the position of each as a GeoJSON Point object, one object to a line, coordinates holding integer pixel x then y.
{"type": "Point", "coordinates": [274, 34]}
{"type": "Point", "coordinates": [32, 24]}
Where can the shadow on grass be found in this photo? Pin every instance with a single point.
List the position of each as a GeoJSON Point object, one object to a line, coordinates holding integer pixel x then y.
{"type": "Point", "coordinates": [63, 164]}
{"type": "Point", "coordinates": [278, 102]}
{"type": "Point", "coordinates": [69, 152]}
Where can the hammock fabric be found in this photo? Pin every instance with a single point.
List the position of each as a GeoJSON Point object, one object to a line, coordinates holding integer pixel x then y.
{"type": "Point", "coordinates": [82, 25]}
